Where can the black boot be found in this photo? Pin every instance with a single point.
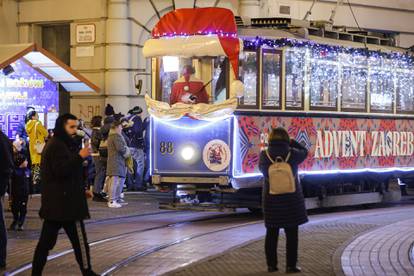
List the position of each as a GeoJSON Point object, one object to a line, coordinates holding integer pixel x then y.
{"type": "Point", "coordinates": [13, 226]}
{"type": "Point", "coordinates": [98, 198]}
{"type": "Point", "coordinates": [89, 272]}
{"type": "Point", "coordinates": [271, 269]}
{"type": "Point", "coordinates": [20, 227]}
{"type": "Point", "coordinates": [293, 269]}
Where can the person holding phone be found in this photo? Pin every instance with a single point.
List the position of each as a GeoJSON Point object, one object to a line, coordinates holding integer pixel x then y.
{"type": "Point", "coordinates": [63, 201]}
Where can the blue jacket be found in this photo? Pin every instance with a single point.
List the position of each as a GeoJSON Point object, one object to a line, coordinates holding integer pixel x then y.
{"type": "Point", "coordinates": [135, 133]}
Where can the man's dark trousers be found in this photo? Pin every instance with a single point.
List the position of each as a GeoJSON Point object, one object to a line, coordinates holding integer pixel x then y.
{"type": "Point", "coordinates": [77, 235]}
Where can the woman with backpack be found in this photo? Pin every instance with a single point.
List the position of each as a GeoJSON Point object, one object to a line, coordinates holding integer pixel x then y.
{"type": "Point", "coordinates": [283, 206]}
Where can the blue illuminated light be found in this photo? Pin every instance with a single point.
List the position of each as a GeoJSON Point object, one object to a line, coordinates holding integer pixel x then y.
{"type": "Point", "coordinates": [189, 127]}
{"type": "Point", "coordinates": [373, 170]}
{"type": "Point", "coordinates": [330, 172]}
{"type": "Point", "coordinates": [150, 146]}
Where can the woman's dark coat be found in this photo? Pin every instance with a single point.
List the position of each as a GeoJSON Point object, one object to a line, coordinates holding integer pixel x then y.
{"type": "Point", "coordinates": [287, 210]}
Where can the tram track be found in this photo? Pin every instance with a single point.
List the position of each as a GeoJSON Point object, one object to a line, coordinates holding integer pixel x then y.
{"type": "Point", "coordinates": [25, 267]}
{"type": "Point", "coordinates": [119, 265]}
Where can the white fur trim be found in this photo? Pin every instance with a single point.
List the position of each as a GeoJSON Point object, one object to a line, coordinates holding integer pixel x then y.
{"type": "Point", "coordinates": [236, 89]}
{"type": "Point", "coordinates": [192, 46]}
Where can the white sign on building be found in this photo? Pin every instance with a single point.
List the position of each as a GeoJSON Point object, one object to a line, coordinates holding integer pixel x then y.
{"type": "Point", "coordinates": [85, 33]}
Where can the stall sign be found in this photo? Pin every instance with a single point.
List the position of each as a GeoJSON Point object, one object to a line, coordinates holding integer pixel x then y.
{"type": "Point", "coordinates": [25, 87]}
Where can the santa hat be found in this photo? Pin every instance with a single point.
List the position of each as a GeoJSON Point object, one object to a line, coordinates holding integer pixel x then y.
{"type": "Point", "coordinates": [197, 32]}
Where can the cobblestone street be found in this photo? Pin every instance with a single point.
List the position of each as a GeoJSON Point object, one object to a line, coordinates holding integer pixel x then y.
{"type": "Point", "coordinates": [324, 248]}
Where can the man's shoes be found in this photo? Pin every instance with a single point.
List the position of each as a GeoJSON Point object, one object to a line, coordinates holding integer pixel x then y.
{"type": "Point", "coordinates": [122, 195]}
{"type": "Point", "coordinates": [20, 227]}
{"type": "Point", "coordinates": [13, 226]}
{"type": "Point", "coordinates": [89, 272]}
{"type": "Point", "coordinates": [122, 202]}
{"type": "Point", "coordinates": [114, 204]}
{"type": "Point", "coordinates": [293, 269]}
{"type": "Point", "coordinates": [271, 269]}
{"type": "Point", "coordinates": [99, 198]}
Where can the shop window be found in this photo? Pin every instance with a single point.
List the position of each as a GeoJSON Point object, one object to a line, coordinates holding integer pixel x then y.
{"type": "Point", "coordinates": [219, 84]}
{"type": "Point", "coordinates": [248, 75]}
{"type": "Point", "coordinates": [353, 82]}
{"type": "Point", "coordinates": [405, 92]}
{"type": "Point", "coordinates": [271, 68]}
{"type": "Point", "coordinates": [323, 86]}
{"type": "Point", "coordinates": [295, 76]}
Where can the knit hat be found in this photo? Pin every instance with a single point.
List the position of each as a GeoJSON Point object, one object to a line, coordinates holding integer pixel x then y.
{"type": "Point", "coordinates": [109, 110]}
{"type": "Point", "coordinates": [118, 116]}
{"type": "Point", "coordinates": [135, 110]}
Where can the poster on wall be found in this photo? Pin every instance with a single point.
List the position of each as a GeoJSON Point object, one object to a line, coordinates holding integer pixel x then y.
{"type": "Point", "coordinates": [26, 87]}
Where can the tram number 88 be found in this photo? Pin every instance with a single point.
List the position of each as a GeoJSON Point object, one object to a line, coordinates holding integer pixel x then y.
{"type": "Point", "coordinates": [167, 148]}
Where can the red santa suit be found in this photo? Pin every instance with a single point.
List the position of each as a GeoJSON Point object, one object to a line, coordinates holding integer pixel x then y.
{"type": "Point", "coordinates": [188, 86]}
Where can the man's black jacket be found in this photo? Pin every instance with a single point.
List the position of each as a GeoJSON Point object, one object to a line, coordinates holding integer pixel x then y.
{"type": "Point", "coordinates": [63, 192]}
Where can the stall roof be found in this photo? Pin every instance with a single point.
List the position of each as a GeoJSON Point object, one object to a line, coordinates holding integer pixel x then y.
{"type": "Point", "coordinates": [47, 64]}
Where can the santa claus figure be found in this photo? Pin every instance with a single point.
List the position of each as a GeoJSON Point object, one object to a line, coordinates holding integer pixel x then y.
{"type": "Point", "coordinates": [188, 89]}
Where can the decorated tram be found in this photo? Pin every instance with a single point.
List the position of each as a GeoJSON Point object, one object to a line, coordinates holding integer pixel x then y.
{"type": "Point", "coordinates": [218, 88]}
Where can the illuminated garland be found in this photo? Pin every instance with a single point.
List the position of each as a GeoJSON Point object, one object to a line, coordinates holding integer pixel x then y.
{"type": "Point", "coordinates": [286, 42]}
{"type": "Point", "coordinates": [204, 33]}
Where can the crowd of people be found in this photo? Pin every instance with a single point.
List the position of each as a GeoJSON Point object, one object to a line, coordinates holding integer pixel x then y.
{"type": "Point", "coordinates": [119, 155]}
{"type": "Point", "coordinates": [118, 160]}
{"type": "Point", "coordinates": [103, 160]}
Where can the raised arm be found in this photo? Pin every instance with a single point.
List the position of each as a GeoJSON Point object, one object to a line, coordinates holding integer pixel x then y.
{"type": "Point", "coordinates": [298, 151]}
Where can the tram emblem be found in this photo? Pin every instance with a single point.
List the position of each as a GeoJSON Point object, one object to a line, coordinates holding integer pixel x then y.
{"type": "Point", "coordinates": [216, 155]}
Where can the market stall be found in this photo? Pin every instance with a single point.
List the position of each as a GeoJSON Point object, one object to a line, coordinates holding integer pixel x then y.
{"type": "Point", "coordinates": [30, 76]}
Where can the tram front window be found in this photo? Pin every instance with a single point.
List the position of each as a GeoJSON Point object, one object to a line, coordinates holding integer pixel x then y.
{"type": "Point", "coordinates": [220, 77]}
{"type": "Point", "coordinates": [271, 78]}
{"type": "Point", "coordinates": [169, 73]}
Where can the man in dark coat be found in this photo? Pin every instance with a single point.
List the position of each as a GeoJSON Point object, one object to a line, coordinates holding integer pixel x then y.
{"type": "Point", "coordinates": [286, 210]}
{"type": "Point", "coordinates": [63, 195]}
{"type": "Point", "coordinates": [135, 134]}
{"type": "Point", "coordinates": [6, 168]}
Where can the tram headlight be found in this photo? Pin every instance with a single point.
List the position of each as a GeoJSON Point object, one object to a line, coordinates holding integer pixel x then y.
{"type": "Point", "coordinates": [188, 153]}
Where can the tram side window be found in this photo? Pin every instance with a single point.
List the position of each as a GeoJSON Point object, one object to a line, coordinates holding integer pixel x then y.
{"type": "Point", "coordinates": [353, 82]}
{"type": "Point", "coordinates": [271, 64]}
{"type": "Point", "coordinates": [323, 80]}
{"type": "Point", "coordinates": [405, 92]}
{"type": "Point", "coordinates": [220, 79]}
{"type": "Point", "coordinates": [295, 76]}
{"type": "Point", "coordinates": [381, 85]}
{"type": "Point", "coordinates": [248, 75]}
